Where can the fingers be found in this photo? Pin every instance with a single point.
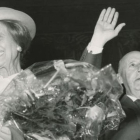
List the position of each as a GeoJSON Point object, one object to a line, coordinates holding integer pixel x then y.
{"type": "Point", "coordinates": [101, 17]}
{"type": "Point", "coordinates": [118, 28]}
{"type": "Point", "coordinates": [107, 14]}
{"type": "Point", "coordinates": [111, 15]}
{"type": "Point", "coordinates": [115, 19]}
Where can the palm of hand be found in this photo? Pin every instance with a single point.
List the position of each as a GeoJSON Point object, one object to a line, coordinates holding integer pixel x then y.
{"type": "Point", "coordinates": [104, 30]}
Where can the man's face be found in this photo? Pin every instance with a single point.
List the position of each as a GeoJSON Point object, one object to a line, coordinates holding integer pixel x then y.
{"type": "Point", "coordinates": [130, 73]}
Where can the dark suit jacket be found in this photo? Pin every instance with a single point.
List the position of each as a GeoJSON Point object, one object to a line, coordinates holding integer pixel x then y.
{"type": "Point", "coordinates": [130, 128]}
{"type": "Point", "coordinates": [95, 59]}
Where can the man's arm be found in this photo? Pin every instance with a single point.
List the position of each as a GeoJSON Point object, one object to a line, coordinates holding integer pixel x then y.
{"type": "Point", "coordinates": [104, 31]}
{"type": "Point", "coordinates": [94, 59]}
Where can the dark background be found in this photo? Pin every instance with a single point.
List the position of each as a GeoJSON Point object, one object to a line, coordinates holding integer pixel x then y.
{"type": "Point", "coordinates": [64, 27]}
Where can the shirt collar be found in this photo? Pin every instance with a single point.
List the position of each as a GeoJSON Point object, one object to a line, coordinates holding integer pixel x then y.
{"type": "Point", "coordinates": [132, 98]}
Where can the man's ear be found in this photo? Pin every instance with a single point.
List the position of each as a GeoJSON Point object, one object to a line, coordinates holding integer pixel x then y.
{"type": "Point", "coordinates": [120, 78]}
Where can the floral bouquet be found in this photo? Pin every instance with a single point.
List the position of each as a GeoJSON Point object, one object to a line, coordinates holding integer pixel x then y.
{"type": "Point", "coordinates": [63, 99]}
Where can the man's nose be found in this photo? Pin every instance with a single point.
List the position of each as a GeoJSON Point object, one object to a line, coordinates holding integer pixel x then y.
{"type": "Point", "coordinates": [138, 67]}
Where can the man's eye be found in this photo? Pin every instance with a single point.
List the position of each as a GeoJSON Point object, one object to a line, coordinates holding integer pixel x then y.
{"type": "Point", "coordinates": [132, 65]}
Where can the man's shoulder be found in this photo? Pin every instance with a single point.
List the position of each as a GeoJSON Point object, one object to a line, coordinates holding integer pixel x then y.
{"type": "Point", "coordinates": [126, 101]}
{"type": "Point", "coordinates": [128, 129]}
{"type": "Point", "coordinates": [129, 107]}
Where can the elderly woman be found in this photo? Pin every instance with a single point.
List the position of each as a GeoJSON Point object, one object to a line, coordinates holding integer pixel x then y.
{"type": "Point", "coordinates": [17, 29]}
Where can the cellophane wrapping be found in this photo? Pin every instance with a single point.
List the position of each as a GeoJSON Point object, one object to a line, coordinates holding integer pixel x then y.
{"type": "Point", "coordinates": [63, 99]}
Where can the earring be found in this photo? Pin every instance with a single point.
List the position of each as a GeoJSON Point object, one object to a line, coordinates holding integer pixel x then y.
{"type": "Point", "coordinates": [19, 49]}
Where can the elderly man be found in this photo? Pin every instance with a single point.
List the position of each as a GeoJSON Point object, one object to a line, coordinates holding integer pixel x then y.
{"type": "Point", "coordinates": [129, 76]}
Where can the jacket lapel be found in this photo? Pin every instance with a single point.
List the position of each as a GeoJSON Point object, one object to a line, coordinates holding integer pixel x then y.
{"type": "Point", "coordinates": [130, 108]}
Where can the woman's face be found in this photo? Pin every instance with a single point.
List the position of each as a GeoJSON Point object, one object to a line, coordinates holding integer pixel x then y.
{"type": "Point", "coordinates": [8, 48]}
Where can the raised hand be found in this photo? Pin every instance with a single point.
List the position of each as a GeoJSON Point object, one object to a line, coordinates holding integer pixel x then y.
{"type": "Point", "coordinates": [105, 28]}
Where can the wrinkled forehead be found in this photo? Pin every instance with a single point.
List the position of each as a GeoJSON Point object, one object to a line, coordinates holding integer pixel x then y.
{"type": "Point", "coordinates": [2, 26]}
{"type": "Point", "coordinates": [133, 56]}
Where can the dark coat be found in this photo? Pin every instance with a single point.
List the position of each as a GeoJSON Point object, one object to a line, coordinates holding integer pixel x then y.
{"type": "Point", "coordinates": [130, 128]}
{"type": "Point", "coordinates": [92, 59]}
